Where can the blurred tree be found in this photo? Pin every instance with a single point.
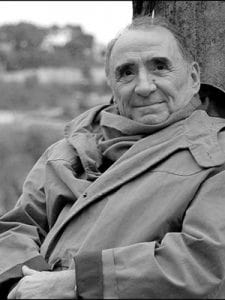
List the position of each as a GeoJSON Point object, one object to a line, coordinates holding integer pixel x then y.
{"type": "Point", "coordinates": [21, 47]}
{"type": "Point", "coordinates": [23, 35]}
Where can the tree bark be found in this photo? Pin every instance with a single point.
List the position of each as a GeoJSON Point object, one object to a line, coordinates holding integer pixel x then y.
{"type": "Point", "coordinates": [203, 25]}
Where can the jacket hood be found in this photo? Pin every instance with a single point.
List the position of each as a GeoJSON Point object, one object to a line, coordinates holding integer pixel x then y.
{"type": "Point", "coordinates": [209, 89]}
{"type": "Point", "coordinates": [215, 99]}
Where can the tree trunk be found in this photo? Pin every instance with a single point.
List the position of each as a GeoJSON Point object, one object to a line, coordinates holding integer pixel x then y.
{"type": "Point", "coordinates": [203, 25]}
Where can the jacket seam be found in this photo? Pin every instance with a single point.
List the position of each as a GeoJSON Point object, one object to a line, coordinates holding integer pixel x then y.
{"type": "Point", "coordinates": [173, 173]}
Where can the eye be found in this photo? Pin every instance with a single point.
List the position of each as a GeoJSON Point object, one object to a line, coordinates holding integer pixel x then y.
{"type": "Point", "coordinates": [160, 67]}
{"type": "Point", "coordinates": [125, 73]}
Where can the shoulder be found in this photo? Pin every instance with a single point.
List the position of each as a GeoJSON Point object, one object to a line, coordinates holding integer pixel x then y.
{"type": "Point", "coordinates": [83, 120]}
{"type": "Point", "coordinates": [206, 138]}
{"type": "Point", "coordinates": [63, 149]}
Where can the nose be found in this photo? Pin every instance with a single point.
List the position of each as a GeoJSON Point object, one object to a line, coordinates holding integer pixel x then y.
{"type": "Point", "coordinates": [145, 85]}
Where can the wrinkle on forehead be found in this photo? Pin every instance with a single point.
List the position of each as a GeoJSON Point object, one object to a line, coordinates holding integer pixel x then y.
{"type": "Point", "coordinates": [157, 41]}
{"type": "Point", "coordinates": [133, 57]}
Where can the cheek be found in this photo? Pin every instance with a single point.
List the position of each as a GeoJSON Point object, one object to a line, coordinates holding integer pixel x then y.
{"type": "Point", "coordinates": [123, 94]}
{"type": "Point", "coordinates": [169, 88]}
{"type": "Point", "coordinates": [173, 86]}
{"type": "Point", "coordinates": [181, 83]}
{"type": "Point", "coordinates": [182, 78]}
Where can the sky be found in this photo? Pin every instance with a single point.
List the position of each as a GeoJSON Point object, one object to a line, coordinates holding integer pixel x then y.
{"type": "Point", "coordinates": [103, 19]}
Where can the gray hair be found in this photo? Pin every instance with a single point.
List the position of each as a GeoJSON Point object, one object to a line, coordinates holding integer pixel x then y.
{"type": "Point", "coordinates": [147, 23]}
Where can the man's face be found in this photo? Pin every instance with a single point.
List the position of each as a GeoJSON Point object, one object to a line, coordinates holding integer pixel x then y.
{"type": "Point", "coordinates": [149, 78]}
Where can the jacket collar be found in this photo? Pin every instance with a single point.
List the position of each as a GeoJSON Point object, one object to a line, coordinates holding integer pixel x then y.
{"type": "Point", "coordinates": [103, 133]}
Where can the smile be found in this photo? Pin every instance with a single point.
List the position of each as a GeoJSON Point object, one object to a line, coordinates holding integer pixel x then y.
{"type": "Point", "coordinates": [149, 104]}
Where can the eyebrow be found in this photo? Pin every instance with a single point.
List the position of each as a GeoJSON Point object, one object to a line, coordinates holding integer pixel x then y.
{"type": "Point", "coordinates": [130, 63]}
{"type": "Point", "coordinates": [161, 59]}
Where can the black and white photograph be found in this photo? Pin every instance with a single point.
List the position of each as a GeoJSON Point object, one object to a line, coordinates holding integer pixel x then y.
{"type": "Point", "coordinates": [112, 149]}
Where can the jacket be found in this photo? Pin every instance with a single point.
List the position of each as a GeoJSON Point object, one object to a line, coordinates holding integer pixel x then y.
{"type": "Point", "coordinates": [151, 226]}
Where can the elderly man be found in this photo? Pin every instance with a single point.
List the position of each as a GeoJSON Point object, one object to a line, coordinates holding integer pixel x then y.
{"type": "Point", "coordinates": [131, 203]}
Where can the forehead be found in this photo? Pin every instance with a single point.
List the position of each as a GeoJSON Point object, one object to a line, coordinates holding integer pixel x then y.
{"type": "Point", "coordinates": [156, 41]}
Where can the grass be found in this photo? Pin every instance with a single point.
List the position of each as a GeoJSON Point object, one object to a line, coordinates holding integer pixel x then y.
{"type": "Point", "coordinates": [20, 147]}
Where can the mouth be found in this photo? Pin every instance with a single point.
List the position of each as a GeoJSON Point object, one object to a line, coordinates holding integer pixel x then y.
{"type": "Point", "coordinates": [152, 103]}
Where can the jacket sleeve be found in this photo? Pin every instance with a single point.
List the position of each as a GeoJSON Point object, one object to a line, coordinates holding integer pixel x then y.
{"type": "Point", "coordinates": [185, 264]}
{"type": "Point", "coordinates": [23, 229]}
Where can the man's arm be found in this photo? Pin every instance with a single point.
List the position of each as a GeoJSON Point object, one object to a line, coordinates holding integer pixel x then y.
{"type": "Point", "coordinates": [185, 264]}
{"type": "Point", "coordinates": [22, 231]}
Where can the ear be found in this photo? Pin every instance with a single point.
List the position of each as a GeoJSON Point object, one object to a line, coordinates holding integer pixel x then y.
{"type": "Point", "coordinates": [195, 77]}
